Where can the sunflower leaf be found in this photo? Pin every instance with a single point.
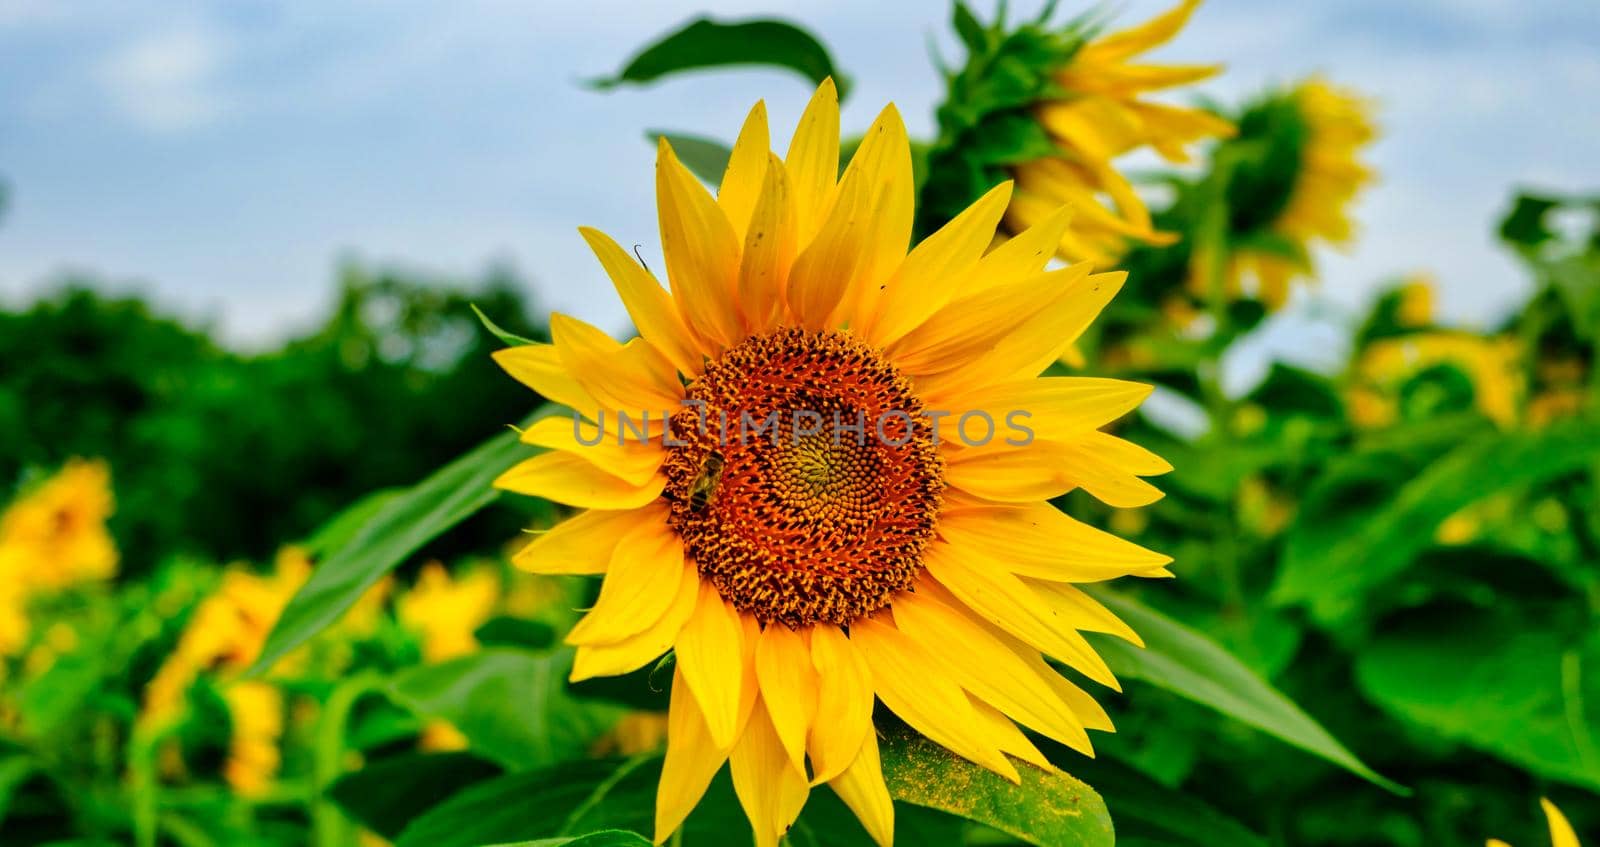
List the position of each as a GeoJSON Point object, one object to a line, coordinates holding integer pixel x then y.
{"type": "Point", "coordinates": [707, 43]}
{"type": "Point", "coordinates": [1047, 809]}
{"type": "Point", "coordinates": [405, 521]}
{"type": "Point", "coordinates": [1192, 666]}
{"type": "Point", "coordinates": [603, 838]}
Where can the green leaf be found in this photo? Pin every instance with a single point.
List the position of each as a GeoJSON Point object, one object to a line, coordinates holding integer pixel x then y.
{"type": "Point", "coordinates": [1144, 808]}
{"type": "Point", "coordinates": [338, 531]}
{"type": "Point", "coordinates": [1331, 578]}
{"type": "Point", "coordinates": [389, 793]}
{"type": "Point", "coordinates": [604, 838]}
{"type": "Point", "coordinates": [512, 705]}
{"type": "Point", "coordinates": [14, 771]}
{"type": "Point", "coordinates": [704, 157]}
{"type": "Point", "coordinates": [1047, 809]}
{"type": "Point", "coordinates": [508, 338]}
{"type": "Point", "coordinates": [1192, 666]}
{"type": "Point", "coordinates": [1524, 225]}
{"type": "Point", "coordinates": [708, 43]}
{"type": "Point", "coordinates": [1526, 695]}
{"type": "Point", "coordinates": [403, 524]}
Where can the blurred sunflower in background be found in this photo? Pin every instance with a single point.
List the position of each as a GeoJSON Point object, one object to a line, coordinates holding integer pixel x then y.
{"type": "Point", "coordinates": [1561, 832]}
{"type": "Point", "coordinates": [1074, 101]}
{"type": "Point", "coordinates": [799, 575]}
{"type": "Point", "coordinates": [1417, 375]}
{"type": "Point", "coordinates": [1293, 173]}
{"type": "Point", "coordinates": [1099, 113]}
{"type": "Point", "coordinates": [52, 537]}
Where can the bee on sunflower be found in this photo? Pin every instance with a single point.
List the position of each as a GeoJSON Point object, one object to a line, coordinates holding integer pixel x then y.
{"type": "Point", "coordinates": [804, 573]}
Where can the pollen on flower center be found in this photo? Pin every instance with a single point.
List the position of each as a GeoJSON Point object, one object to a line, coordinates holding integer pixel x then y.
{"type": "Point", "coordinates": [814, 483]}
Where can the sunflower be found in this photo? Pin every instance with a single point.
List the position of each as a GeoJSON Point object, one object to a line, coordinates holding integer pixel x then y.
{"type": "Point", "coordinates": [1100, 115]}
{"type": "Point", "coordinates": [1561, 832]}
{"type": "Point", "coordinates": [801, 572]}
{"type": "Point", "coordinates": [446, 612]}
{"type": "Point", "coordinates": [1388, 366]}
{"type": "Point", "coordinates": [55, 536]}
{"type": "Point", "coordinates": [1332, 127]}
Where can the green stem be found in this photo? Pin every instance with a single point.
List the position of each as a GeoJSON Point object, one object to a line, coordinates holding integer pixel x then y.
{"type": "Point", "coordinates": [331, 827]}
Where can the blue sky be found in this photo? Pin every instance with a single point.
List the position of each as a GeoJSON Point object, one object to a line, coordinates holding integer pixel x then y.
{"type": "Point", "coordinates": [223, 157]}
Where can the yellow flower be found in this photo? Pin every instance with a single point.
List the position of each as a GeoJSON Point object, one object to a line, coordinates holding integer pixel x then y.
{"type": "Point", "coordinates": [1101, 116]}
{"type": "Point", "coordinates": [801, 572]}
{"type": "Point", "coordinates": [1335, 127]}
{"type": "Point", "coordinates": [447, 612]}
{"type": "Point", "coordinates": [55, 535]}
{"type": "Point", "coordinates": [1561, 833]}
{"type": "Point", "coordinates": [1415, 308]}
{"type": "Point", "coordinates": [227, 631]}
{"type": "Point", "coordinates": [1385, 365]}
{"type": "Point", "coordinates": [256, 711]}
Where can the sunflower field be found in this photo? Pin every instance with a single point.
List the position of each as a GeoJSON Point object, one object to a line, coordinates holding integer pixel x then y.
{"type": "Point", "coordinates": [1005, 561]}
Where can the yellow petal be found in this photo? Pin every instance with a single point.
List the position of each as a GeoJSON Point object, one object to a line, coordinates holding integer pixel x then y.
{"type": "Point", "coordinates": [1124, 454]}
{"type": "Point", "coordinates": [788, 687]}
{"type": "Point", "coordinates": [702, 252]}
{"type": "Point", "coordinates": [691, 761]}
{"type": "Point", "coordinates": [1024, 255]}
{"type": "Point", "coordinates": [1057, 408]}
{"type": "Point", "coordinates": [631, 377]}
{"type": "Point", "coordinates": [909, 680]}
{"type": "Point", "coordinates": [539, 367]}
{"type": "Point", "coordinates": [861, 787]}
{"type": "Point", "coordinates": [1005, 601]}
{"type": "Point", "coordinates": [646, 570]}
{"type": "Point", "coordinates": [997, 471]}
{"type": "Point", "coordinates": [741, 181]}
{"type": "Point", "coordinates": [583, 544]}
{"type": "Point", "coordinates": [769, 247]}
{"type": "Point", "coordinates": [770, 790]}
{"type": "Point", "coordinates": [844, 702]}
{"type": "Point", "coordinates": [988, 669]}
{"type": "Point", "coordinates": [1089, 711]}
{"type": "Point", "coordinates": [636, 651]}
{"type": "Point", "coordinates": [571, 479]}
{"type": "Point", "coordinates": [813, 160]}
{"type": "Point", "coordinates": [1082, 612]}
{"type": "Point", "coordinates": [1040, 541]}
{"type": "Point", "coordinates": [711, 654]}
{"type": "Point", "coordinates": [1031, 346]}
{"type": "Point", "coordinates": [825, 270]}
{"type": "Point", "coordinates": [630, 461]}
{"type": "Point", "coordinates": [974, 324]}
{"type": "Point", "coordinates": [650, 306]}
{"type": "Point", "coordinates": [884, 159]}
{"type": "Point", "coordinates": [934, 271]}
{"type": "Point", "coordinates": [1561, 833]}
{"type": "Point", "coordinates": [1134, 40]}
{"type": "Point", "coordinates": [1004, 734]}
{"type": "Point", "coordinates": [1099, 473]}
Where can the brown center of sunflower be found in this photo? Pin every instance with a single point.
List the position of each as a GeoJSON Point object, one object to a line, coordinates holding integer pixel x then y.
{"type": "Point", "coordinates": [807, 485]}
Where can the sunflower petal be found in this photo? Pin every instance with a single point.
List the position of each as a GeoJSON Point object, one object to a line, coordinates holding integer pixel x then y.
{"type": "Point", "coordinates": [691, 761]}
{"type": "Point", "coordinates": [884, 160]}
{"type": "Point", "coordinates": [539, 367]}
{"type": "Point", "coordinates": [741, 181]}
{"type": "Point", "coordinates": [1005, 601]}
{"type": "Point", "coordinates": [648, 304]}
{"type": "Point", "coordinates": [1004, 734]}
{"type": "Point", "coordinates": [844, 702]}
{"type": "Point", "coordinates": [825, 270]}
{"type": "Point", "coordinates": [862, 788]}
{"type": "Point", "coordinates": [936, 269]}
{"type": "Point", "coordinates": [571, 479]}
{"type": "Point", "coordinates": [636, 651]}
{"type": "Point", "coordinates": [627, 377]}
{"type": "Point", "coordinates": [702, 252]}
{"type": "Point", "coordinates": [646, 570]}
{"type": "Point", "coordinates": [813, 159]}
{"type": "Point", "coordinates": [1058, 407]}
{"type": "Point", "coordinates": [1083, 612]}
{"type": "Point", "coordinates": [1040, 541]}
{"type": "Point", "coordinates": [972, 325]}
{"type": "Point", "coordinates": [711, 653]}
{"type": "Point", "coordinates": [630, 461]}
{"type": "Point", "coordinates": [769, 247]}
{"type": "Point", "coordinates": [988, 668]}
{"type": "Point", "coordinates": [908, 680]}
{"type": "Point", "coordinates": [788, 687]}
{"type": "Point", "coordinates": [583, 544]}
{"type": "Point", "coordinates": [1024, 255]}
{"type": "Point", "coordinates": [770, 790]}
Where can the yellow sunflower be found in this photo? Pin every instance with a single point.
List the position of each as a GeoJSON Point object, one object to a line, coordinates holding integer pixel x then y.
{"type": "Point", "coordinates": [802, 571]}
{"type": "Point", "coordinates": [1102, 116]}
{"type": "Point", "coordinates": [1384, 367]}
{"type": "Point", "coordinates": [55, 535]}
{"type": "Point", "coordinates": [1335, 128]}
{"type": "Point", "coordinates": [446, 612]}
{"type": "Point", "coordinates": [1561, 832]}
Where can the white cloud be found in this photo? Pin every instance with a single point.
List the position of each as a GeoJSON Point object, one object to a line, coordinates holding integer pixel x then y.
{"type": "Point", "coordinates": [166, 81]}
